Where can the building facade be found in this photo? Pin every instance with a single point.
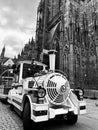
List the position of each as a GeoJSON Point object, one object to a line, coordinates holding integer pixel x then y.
{"type": "Point", "coordinates": [70, 27]}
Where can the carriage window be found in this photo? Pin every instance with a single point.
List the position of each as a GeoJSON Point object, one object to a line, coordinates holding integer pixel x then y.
{"type": "Point", "coordinates": [11, 74]}
{"type": "Point", "coordinates": [7, 78]}
{"type": "Point", "coordinates": [5, 74]}
{"type": "Point", "coordinates": [16, 72]}
{"type": "Point", "coordinates": [8, 74]}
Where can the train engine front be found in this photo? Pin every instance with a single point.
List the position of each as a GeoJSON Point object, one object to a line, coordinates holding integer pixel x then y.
{"type": "Point", "coordinates": [55, 97]}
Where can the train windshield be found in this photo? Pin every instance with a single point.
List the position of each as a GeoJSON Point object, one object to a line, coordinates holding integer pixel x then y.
{"type": "Point", "coordinates": [29, 70]}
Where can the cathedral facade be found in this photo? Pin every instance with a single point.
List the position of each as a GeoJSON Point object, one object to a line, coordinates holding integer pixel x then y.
{"type": "Point", "coordinates": [70, 27]}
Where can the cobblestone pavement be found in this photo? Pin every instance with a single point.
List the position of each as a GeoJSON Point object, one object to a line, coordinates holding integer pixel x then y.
{"type": "Point", "coordinates": [9, 120]}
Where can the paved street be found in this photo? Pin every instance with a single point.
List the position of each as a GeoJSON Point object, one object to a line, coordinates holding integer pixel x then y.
{"type": "Point", "coordinates": [9, 120]}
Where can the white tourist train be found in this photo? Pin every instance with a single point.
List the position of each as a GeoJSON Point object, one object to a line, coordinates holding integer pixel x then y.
{"type": "Point", "coordinates": [41, 94]}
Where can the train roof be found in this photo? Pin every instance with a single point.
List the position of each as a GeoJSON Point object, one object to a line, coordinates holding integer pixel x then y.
{"type": "Point", "coordinates": [30, 62]}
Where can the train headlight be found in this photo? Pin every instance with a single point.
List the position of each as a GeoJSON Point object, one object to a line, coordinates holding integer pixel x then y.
{"type": "Point", "coordinates": [63, 89]}
{"type": "Point", "coordinates": [41, 92]}
{"type": "Point", "coordinates": [80, 92]}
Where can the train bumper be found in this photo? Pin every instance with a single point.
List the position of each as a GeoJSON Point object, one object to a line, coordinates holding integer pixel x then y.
{"type": "Point", "coordinates": [82, 107]}
{"type": "Point", "coordinates": [42, 112]}
{"type": "Point", "coordinates": [39, 112]}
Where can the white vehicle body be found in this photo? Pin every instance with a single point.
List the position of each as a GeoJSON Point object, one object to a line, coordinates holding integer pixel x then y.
{"type": "Point", "coordinates": [47, 94]}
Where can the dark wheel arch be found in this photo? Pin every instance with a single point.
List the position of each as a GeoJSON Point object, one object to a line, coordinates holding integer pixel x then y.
{"type": "Point", "coordinates": [25, 99]}
{"type": "Point", "coordinates": [12, 107]}
{"type": "Point", "coordinates": [27, 123]}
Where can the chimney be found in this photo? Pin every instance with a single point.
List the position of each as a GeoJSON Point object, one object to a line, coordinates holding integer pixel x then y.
{"type": "Point", "coordinates": [52, 54]}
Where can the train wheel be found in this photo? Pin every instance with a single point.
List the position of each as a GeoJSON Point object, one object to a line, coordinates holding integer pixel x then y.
{"type": "Point", "coordinates": [72, 118]}
{"type": "Point", "coordinates": [27, 123]}
{"type": "Point", "coordinates": [11, 107]}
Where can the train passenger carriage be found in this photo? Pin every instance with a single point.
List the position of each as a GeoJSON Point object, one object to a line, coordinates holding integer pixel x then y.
{"type": "Point", "coordinates": [6, 79]}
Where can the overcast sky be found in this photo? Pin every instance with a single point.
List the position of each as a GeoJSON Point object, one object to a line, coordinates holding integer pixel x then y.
{"type": "Point", "coordinates": [17, 24]}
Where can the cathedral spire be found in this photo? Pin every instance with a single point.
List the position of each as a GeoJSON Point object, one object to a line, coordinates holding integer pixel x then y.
{"type": "Point", "coordinates": [3, 52]}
